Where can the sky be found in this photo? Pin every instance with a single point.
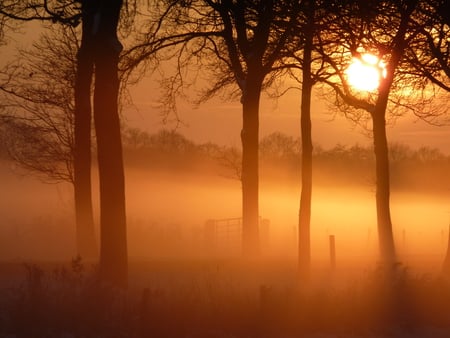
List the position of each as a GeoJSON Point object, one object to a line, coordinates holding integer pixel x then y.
{"type": "Point", "coordinates": [220, 122]}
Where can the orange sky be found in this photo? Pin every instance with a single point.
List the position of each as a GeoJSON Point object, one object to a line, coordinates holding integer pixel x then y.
{"type": "Point", "coordinates": [221, 122]}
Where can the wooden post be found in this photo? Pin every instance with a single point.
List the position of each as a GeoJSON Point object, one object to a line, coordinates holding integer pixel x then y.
{"type": "Point", "coordinates": [332, 252]}
{"type": "Point", "coordinates": [404, 237]}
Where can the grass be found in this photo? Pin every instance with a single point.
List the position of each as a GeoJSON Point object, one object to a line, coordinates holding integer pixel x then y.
{"type": "Point", "coordinates": [207, 299]}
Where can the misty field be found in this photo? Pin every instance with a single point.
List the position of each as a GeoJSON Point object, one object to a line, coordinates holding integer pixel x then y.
{"type": "Point", "coordinates": [167, 212]}
{"type": "Point", "coordinates": [180, 286]}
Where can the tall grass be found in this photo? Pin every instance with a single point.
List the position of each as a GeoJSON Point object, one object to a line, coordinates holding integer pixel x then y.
{"type": "Point", "coordinates": [70, 301]}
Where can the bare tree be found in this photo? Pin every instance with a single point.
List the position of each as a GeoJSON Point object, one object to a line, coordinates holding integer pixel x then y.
{"type": "Point", "coordinates": [431, 61]}
{"type": "Point", "coordinates": [101, 48]}
{"type": "Point", "coordinates": [99, 52]}
{"type": "Point", "coordinates": [235, 43]}
{"type": "Point", "coordinates": [429, 54]}
{"type": "Point", "coordinates": [385, 29]}
{"type": "Point", "coordinates": [40, 120]}
{"type": "Point", "coordinates": [313, 20]}
{"type": "Point", "coordinates": [304, 218]}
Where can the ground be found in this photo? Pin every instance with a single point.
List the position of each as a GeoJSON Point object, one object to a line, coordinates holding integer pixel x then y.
{"type": "Point", "coordinates": [219, 298]}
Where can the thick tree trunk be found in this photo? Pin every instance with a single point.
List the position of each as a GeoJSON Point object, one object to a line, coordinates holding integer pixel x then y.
{"type": "Point", "coordinates": [250, 168]}
{"type": "Point", "coordinates": [304, 222]}
{"type": "Point", "coordinates": [113, 236]}
{"type": "Point", "coordinates": [385, 234]}
{"type": "Point", "coordinates": [85, 231]}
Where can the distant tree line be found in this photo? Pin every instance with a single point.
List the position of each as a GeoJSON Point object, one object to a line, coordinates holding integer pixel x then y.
{"type": "Point", "coordinates": [424, 167]}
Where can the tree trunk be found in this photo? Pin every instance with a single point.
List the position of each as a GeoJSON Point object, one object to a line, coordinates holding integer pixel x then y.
{"type": "Point", "coordinates": [113, 236]}
{"type": "Point", "coordinates": [385, 235]}
{"type": "Point", "coordinates": [85, 232]}
{"type": "Point", "coordinates": [304, 222]}
{"type": "Point", "coordinates": [384, 223]}
{"type": "Point", "coordinates": [250, 168]}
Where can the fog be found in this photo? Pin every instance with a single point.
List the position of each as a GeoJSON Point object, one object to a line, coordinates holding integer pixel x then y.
{"type": "Point", "coordinates": [181, 272]}
{"type": "Point", "coordinates": [167, 210]}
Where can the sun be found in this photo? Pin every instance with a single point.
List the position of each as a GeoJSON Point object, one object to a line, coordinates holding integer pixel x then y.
{"type": "Point", "coordinates": [364, 73]}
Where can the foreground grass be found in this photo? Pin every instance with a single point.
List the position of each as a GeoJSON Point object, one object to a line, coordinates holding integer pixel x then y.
{"type": "Point", "coordinates": [192, 299]}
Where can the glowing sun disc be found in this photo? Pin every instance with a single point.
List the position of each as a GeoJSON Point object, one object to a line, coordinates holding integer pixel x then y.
{"type": "Point", "coordinates": [364, 74]}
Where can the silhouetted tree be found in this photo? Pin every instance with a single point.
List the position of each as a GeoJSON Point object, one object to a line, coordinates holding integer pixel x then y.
{"type": "Point", "coordinates": [305, 58]}
{"type": "Point", "coordinates": [237, 43]}
{"type": "Point", "coordinates": [429, 58]}
{"type": "Point", "coordinates": [430, 53]}
{"type": "Point", "coordinates": [385, 29]}
{"type": "Point", "coordinates": [41, 120]}
{"type": "Point", "coordinates": [304, 216]}
{"type": "Point", "coordinates": [100, 48]}
{"type": "Point", "coordinates": [99, 52]}
{"type": "Point", "coordinates": [82, 127]}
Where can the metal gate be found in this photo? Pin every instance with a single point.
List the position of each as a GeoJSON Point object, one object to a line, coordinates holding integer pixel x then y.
{"type": "Point", "coordinates": [223, 237]}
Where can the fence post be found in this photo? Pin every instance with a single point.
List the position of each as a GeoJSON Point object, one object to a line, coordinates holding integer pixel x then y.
{"type": "Point", "coordinates": [332, 252]}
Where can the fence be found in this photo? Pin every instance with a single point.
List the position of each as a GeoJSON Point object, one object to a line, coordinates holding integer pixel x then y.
{"type": "Point", "coordinates": [223, 237]}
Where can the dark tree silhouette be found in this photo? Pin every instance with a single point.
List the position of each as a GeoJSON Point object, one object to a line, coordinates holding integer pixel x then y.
{"type": "Point", "coordinates": [100, 51]}
{"type": "Point", "coordinates": [433, 65]}
{"type": "Point", "coordinates": [313, 19]}
{"type": "Point", "coordinates": [238, 43]}
{"type": "Point", "coordinates": [385, 29]}
{"type": "Point", "coordinates": [40, 120]}
{"type": "Point", "coordinates": [100, 19]}
{"type": "Point", "coordinates": [304, 221]}
{"type": "Point", "coordinates": [82, 139]}
{"type": "Point", "coordinates": [429, 54]}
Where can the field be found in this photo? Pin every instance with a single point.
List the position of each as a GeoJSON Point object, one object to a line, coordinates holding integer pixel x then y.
{"type": "Point", "coordinates": [220, 298]}
{"type": "Point", "coordinates": [178, 287]}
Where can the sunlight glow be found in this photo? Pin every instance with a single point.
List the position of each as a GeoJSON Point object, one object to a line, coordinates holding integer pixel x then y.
{"type": "Point", "coordinates": [364, 73]}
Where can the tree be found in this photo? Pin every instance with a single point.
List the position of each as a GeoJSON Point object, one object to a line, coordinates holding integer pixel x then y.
{"type": "Point", "coordinates": [101, 48]}
{"type": "Point", "coordinates": [433, 65]}
{"type": "Point", "coordinates": [384, 29]}
{"type": "Point", "coordinates": [99, 51]}
{"type": "Point", "coordinates": [82, 127]}
{"type": "Point", "coordinates": [40, 120]}
{"type": "Point", "coordinates": [239, 44]}
{"type": "Point", "coordinates": [305, 58]}
{"type": "Point", "coordinates": [429, 54]}
{"type": "Point", "coordinates": [304, 216]}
